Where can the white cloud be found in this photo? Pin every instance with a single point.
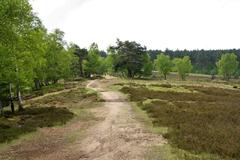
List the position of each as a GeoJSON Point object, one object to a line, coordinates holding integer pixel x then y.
{"type": "Point", "coordinates": [190, 24]}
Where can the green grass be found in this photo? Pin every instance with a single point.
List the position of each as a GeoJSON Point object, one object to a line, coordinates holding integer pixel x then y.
{"type": "Point", "coordinates": [202, 123]}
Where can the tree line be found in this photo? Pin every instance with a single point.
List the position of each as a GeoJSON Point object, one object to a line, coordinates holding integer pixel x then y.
{"type": "Point", "coordinates": [130, 59]}
{"type": "Point", "coordinates": [203, 61]}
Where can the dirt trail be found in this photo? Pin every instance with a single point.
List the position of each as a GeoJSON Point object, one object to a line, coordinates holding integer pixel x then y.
{"type": "Point", "coordinates": [119, 136]}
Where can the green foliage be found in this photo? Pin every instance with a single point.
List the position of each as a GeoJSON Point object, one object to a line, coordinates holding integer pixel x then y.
{"type": "Point", "coordinates": [28, 53]}
{"type": "Point", "coordinates": [163, 64]}
{"type": "Point", "coordinates": [203, 61]}
{"type": "Point", "coordinates": [55, 49]}
{"type": "Point", "coordinates": [93, 63]}
{"type": "Point", "coordinates": [108, 62]}
{"type": "Point", "coordinates": [147, 66]}
{"type": "Point", "coordinates": [104, 66]}
{"type": "Point", "coordinates": [129, 57]}
{"type": "Point", "coordinates": [227, 65]}
{"type": "Point", "coordinates": [183, 66]}
{"type": "Point", "coordinates": [82, 55]}
{"type": "Point", "coordinates": [16, 57]}
{"type": "Point", "coordinates": [17, 32]}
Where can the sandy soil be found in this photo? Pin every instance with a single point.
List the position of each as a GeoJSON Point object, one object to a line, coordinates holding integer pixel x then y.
{"type": "Point", "coordinates": [119, 136]}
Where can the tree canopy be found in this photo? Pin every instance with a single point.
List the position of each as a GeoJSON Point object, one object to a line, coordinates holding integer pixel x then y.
{"type": "Point", "coordinates": [29, 54]}
{"type": "Point", "coordinates": [129, 57]}
{"type": "Point", "coordinates": [164, 65]}
{"type": "Point", "coordinates": [227, 65]}
{"type": "Point", "coordinates": [183, 66]}
{"type": "Point", "coordinates": [92, 65]}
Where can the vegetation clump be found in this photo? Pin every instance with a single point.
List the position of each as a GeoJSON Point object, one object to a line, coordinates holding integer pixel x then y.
{"type": "Point", "coordinates": [164, 65]}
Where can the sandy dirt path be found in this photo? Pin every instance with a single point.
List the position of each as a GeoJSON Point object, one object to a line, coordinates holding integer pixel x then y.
{"type": "Point", "coordinates": [118, 136]}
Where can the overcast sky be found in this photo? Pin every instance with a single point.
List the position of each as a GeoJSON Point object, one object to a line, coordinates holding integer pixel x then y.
{"type": "Point", "coordinates": [158, 24]}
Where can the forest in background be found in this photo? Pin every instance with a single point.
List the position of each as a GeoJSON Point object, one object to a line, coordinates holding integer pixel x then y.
{"type": "Point", "coordinates": [203, 61]}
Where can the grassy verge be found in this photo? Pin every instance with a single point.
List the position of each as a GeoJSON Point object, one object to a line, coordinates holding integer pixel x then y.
{"type": "Point", "coordinates": [199, 122]}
